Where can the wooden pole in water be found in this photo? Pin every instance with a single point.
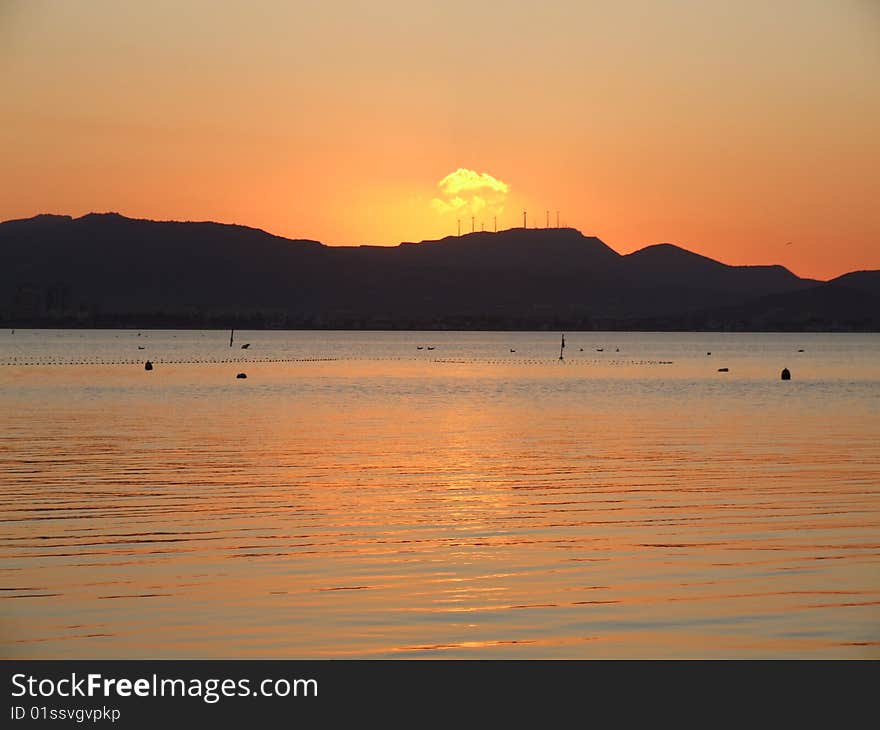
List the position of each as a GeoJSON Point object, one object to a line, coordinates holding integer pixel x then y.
{"type": "Point", "coordinates": [231, 334]}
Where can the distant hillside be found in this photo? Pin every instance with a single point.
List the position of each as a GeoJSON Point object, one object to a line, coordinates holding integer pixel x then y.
{"type": "Point", "coordinates": [866, 281]}
{"type": "Point", "coordinates": [826, 307]}
{"type": "Point", "coordinates": [109, 270]}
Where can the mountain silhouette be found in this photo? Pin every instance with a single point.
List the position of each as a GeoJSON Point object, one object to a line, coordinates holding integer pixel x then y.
{"type": "Point", "coordinates": [109, 270]}
{"type": "Point", "coordinates": [866, 281]}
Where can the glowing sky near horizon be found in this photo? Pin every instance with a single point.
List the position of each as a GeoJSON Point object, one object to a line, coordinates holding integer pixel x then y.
{"type": "Point", "coordinates": [728, 128]}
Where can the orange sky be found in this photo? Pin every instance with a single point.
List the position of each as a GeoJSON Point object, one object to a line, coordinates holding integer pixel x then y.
{"type": "Point", "coordinates": [728, 128]}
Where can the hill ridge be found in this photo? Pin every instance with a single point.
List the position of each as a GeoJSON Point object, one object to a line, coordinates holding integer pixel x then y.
{"type": "Point", "coordinates": [105, 269]}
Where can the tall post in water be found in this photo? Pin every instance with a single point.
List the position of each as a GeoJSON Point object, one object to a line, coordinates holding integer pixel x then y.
{"type": "Point", "coordinates": [231, 335]}
{"type": "Point", "coordinates": [562, 346]}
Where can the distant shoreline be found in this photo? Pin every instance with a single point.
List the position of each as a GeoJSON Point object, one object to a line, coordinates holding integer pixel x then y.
{"type": "Point", "coordinates": [105, 271]}
{"type": "Point", "coordinates": [136, 324]}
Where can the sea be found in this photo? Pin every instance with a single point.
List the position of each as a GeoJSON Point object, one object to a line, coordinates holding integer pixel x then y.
{"type": "Point", "coordinates": [439, 495]}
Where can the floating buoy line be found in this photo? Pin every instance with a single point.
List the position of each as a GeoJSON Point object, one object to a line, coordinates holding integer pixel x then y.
{"type": "Point", "coordinates": [15, 361]}
{"type": "Point", "coordinates": [50, 360]}
{"type": "Point", "coordinates": [536, 361]}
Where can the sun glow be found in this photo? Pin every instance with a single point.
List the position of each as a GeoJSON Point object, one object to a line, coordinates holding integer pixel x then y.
{"type": "Point", "coordinates": [471, 192]}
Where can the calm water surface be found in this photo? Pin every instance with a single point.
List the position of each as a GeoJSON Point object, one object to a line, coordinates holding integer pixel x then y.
{"type": "Point", "coordinates": [358, 497]}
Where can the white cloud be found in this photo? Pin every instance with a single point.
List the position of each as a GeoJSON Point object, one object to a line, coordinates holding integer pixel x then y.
{"type": "Point", "coordinates": [471, 193]}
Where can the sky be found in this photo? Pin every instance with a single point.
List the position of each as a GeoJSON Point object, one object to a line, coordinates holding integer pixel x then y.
{"type": "Point", "coordinates": [747, 131]}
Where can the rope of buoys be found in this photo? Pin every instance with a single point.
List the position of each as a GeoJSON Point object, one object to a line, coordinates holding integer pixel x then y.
{"type": "Point", "coordinates": [45, 361]}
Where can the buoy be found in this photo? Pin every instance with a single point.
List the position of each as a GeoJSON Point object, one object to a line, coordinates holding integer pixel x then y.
{"type": "Point", "coordinates": [148, 365]}
{"type": "Point", "coordinates": [241, 375]}
{"type": "Point", "coordinates": [786, 375]}
{"type": "Point", "coordinates": [708, 353]}
{"type": "Point", "coordinates": [723, 370]}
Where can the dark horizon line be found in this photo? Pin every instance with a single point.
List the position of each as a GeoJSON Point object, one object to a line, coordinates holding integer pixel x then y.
{"type": "Point", "coordinates": [116, 214]}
